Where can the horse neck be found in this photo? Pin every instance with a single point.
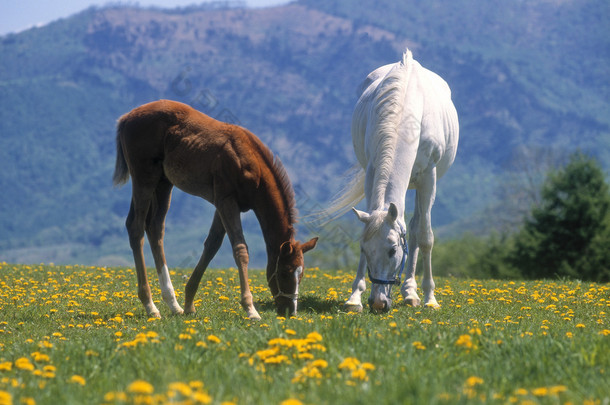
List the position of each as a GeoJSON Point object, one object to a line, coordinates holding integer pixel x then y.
{"type": "Point", "coordinates": [394, 188]}
{"type": "Point", "coordinates": [276, 227]}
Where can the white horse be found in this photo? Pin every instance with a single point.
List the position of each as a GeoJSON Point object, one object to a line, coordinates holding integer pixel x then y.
{"type": "Point", "coordinates": [405, 134]}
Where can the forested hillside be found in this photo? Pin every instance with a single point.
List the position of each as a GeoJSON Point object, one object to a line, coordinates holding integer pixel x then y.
{"type": "Point", "coordinates": [527, 78]}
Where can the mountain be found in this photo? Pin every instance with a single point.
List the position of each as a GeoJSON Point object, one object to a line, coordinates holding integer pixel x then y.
{"type": "Point", "coordinates": [523, 75]}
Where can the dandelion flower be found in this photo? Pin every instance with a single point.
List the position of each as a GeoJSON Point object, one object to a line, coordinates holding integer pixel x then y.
{"type": "Point", "coordinates": [5, 398]}
{"type": "Point", "coordinates": [23, 363]}
{"type": "Point", "coordinates": [473, 381]}
{"type": "Point", "coordinates": [140, 387]}
{"type": "Point", "coordinates": [213, 339]}
{"type": "Point", "coordinates": [77, 379]}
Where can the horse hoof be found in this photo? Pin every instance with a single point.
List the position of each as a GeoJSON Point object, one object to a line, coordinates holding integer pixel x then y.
{"type": "Point", "coordinates": [352, 308]}
{"type": "Point", "coordinates": [432, 305]}
{"type": "Point", "coordinates": [156, 315]}
{"type": "Point", "coordinates": [414, 302]}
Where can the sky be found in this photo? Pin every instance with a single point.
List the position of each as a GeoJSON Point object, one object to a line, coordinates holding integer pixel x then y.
{"type": "Point", "coordinates": [18, 15]}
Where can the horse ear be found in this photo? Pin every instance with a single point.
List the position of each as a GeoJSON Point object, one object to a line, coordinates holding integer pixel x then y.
{"type": "Point", "coordinates": [392, 213]}
{"type": "Point", "coordinates": [286, 248]}
{"type": "Point", "coordinates": [307, 246]}
{"type": "Point", "coordinates": [362, 216]}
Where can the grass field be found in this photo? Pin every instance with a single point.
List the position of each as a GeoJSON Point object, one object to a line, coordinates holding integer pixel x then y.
{"type": "Point", "coordinates": [79, 335]}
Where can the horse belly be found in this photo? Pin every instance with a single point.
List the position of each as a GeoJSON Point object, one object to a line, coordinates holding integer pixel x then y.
{"type": "Point", "coordinates": [191, 177]}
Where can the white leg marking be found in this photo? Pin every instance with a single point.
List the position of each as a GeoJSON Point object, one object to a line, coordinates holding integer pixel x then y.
{"type": "Point", "coordinates": [167, 291]}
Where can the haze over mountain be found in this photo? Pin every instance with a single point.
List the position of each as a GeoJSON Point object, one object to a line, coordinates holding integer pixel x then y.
{"type": "Point", "coordinates": [525, 76]}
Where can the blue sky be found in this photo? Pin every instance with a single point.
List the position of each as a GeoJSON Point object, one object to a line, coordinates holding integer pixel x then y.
{"type": "Point", "coordinates": [17, 15]}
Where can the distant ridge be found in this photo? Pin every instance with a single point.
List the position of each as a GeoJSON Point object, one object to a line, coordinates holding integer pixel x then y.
{"type": "Point", "coordinates": [289, 74]}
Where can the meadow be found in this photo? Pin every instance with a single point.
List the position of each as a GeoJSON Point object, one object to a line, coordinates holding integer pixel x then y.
{"type": "Point", "coordinates": [79, 335]}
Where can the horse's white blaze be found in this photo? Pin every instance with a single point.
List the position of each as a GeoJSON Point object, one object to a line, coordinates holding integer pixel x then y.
{"type": "Point", "coordinates": [297, 276]}
{"type": "Point", "coordinates": [167, 290]}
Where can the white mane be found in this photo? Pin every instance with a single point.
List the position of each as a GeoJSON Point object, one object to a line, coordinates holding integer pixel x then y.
{"type": "Point", "coordinates": [387, 108]}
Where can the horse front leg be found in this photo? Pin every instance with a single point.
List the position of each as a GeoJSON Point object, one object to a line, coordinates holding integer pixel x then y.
{"type": "Point", "coordinates": [354, 303]}
{"type": "Point", "coordinates": [210, 248]}
{"type": "Point", "coordinates": [230, 216]}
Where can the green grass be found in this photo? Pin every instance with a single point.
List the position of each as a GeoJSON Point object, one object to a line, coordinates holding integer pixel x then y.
{"type": "Point", "coordinates": [75, 335]}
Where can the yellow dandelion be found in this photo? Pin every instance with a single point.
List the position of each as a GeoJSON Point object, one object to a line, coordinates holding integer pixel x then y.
{"type": "Point", "coordinates": [6, 366]}
{"type": "Point", "coordinates": [359, 374]}
{"type": "Point", "coordinates": [213, 339]}
{"type": "Point", "coordinates": [140, 387]}
{"type": "Point", "coordinates": [557, 389]}
{"type": "Point", "coordinates": [181, 388]}
{"type": "Point", "coordinates": [521, 391]}
{"type": "Point", "coordinates": [349, 363]}
{"type": "Point", "coordinates": [290, 332]}
{"type": "Point", "coordinates": [319, 363]}
{"type": "Point", "coordinates": [291, 401]}
{"type": "Point", "coordinates": [474, 381]}
{"type": "Point", "coordinates": [5, 398]}
{"type": "Point", "coordinates": [418, 345]}
{"type": "Point", "coordinates": [201, 398]}
{"type": "Point", "coordinates": [540, 392]}
{"type": "Point", "coordinates": [77, 379]}
{"type": "Point", "coordinates": [580, 325]}
{"type": "Point", "coordinates": [23, 363]}
{"type": "Point", "coordinates": [464, 341]}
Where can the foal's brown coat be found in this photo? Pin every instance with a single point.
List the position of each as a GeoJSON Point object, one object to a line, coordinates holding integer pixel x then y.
{"type": "Point", "coordinates": [164, 144]}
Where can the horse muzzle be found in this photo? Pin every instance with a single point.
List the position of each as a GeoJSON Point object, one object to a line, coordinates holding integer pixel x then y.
{"type": "Point", "coordinates": [380, 303]}
{"type": "Point", "coordinates": [286, 306]}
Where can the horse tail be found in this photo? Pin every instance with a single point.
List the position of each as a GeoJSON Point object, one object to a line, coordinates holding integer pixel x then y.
{"type": "Point", "coordinates": [347, 198]}
{"type": "Point", "coordinates": [121, 171]}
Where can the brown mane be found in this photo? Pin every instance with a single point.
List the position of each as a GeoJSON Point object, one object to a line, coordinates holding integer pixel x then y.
{"type": "Point", "coordinates": [282, 181]}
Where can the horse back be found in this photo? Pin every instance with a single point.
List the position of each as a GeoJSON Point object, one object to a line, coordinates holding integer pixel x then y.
{"type": "Point", "coordinates": [196, 153]}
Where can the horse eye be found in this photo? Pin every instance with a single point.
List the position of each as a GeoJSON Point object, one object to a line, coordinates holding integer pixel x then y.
{"type": "Point", "coordinates": [392, 252]}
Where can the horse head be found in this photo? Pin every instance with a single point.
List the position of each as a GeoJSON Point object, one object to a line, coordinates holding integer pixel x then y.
{"type": "Point", "coordinates": [385, 249]}
{"type": "Point", "coordinates": [285, 277]}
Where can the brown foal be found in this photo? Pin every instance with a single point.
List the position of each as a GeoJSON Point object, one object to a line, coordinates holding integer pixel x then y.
{"type": "Point", "coordinates": [164, 144]}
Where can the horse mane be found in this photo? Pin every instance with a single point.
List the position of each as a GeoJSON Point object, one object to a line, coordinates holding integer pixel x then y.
{"type": "Point", "coordinates": [388, 107]}
{"type": "Point", "coordinates": [281, 178]}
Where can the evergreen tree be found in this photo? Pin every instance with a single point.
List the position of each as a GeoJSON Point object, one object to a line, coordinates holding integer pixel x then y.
{"type": "Point", "coordinates": [569, 233]}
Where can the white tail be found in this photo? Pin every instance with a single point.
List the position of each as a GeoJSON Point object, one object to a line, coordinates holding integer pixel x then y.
{"type": "Point", "coordinates": [349, 197]}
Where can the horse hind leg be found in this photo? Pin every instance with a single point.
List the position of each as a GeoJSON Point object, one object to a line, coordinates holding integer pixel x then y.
{"type": "Point", "coordinates": [409, 286]}
{"type": "Point", "coordinates": [155, 230]}
{"type": "Point", "coordinates": [426, 236]}
{"type": "Point", "coordinates": [138, 211]}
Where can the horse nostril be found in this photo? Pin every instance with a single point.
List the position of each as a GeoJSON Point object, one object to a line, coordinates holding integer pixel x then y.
{"type": "Point", "coordinates": [379, 306]}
